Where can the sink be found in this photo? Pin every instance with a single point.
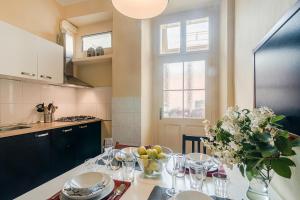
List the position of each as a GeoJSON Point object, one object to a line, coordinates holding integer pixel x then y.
{"type": "Point", "coordinates": [12, 128]}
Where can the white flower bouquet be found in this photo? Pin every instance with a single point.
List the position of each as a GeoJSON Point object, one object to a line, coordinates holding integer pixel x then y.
{"type": "Point", "coordinates": [253, 140]}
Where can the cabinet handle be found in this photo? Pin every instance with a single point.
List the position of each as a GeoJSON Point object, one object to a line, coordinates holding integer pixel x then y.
{"type": "Point", "coordinates": [27, 74]}
{"type": "Point", "coordinates": [42, 135]}
{"type": "Point", "coordinates": [45, 77]}
{"type": "Point", "coordinates": [67, 130]}
{"type": "Point", "coordinates": [85, 126]}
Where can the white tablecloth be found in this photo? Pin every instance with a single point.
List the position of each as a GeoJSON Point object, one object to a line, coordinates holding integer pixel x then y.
{"type": "Point", "coordinates": [141, 187]}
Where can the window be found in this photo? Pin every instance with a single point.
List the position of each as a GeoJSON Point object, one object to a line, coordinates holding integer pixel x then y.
{"type": "Point", "coordinates": [69, 45]}
{"type": "Point", "coordinates": [197, 37]}
{"type": "Point", "coordinates": [184, 90]}
{"type": "Point", "coordinates": [184, 44]}
{"type": "Point", "coordinates": [97, 40]}
{"type": "Point", "coordinates": [170, 38]}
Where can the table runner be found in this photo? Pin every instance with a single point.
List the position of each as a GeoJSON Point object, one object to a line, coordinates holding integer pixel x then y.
{"type": "Point", "coordinates": [117, 184]}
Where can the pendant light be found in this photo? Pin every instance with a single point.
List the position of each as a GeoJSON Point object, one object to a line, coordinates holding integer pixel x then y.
{"type": "Point", "coordinates": [140, 9]}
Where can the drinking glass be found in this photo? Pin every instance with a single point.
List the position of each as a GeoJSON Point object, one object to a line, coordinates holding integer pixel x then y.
{"type": "Point", "coordinates": [115, 162]}
{"type": "Point", "coordinates": [108, 142]}
{"type": "Point", "coordinates": [198, 174]}
{"type": "Point", "coordinates": [221, 184]}
{"type": "Point", "coordinates": [182, 165]}
{"type": "Point", "coordinates": [106, 157]}
{"type": "Point", "coordinates": [128, 170]}
{"type": "Point", "coordinates": [172, 168]}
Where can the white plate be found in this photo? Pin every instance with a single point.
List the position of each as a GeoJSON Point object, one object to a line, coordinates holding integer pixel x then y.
{"type": "Point", "coordinates": [86, 180]}
{"type": "Point", "coordinates": [108, 189]}
{"type": "Point", "coordinates": [199, 157]}
{"type": "Point", "coordinates": [191, 195]}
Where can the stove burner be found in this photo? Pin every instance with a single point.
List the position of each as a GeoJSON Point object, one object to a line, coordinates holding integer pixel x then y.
{"type": "Point", "coordinates": [75, 118]}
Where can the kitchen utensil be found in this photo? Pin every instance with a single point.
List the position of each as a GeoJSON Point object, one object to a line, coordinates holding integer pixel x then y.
{"type": "Point", "coordinates": [118, 191]}
{"type": "Point", "coordinates": [40, 107]}
{"type": "Point", "coordinates": [48, 117]}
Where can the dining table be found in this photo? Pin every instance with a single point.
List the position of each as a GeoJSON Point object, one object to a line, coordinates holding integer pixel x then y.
{"type": "Point", "coordinates": [142, 187]}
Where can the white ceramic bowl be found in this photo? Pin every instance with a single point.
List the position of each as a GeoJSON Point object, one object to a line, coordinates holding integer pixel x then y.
{"type": "Point", "coordinates": [192, 195]}
{"type": "Point", "coordinates": [87, 184]}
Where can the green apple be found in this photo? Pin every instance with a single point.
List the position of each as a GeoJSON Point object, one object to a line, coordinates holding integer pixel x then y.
{"type": "Point", "coordinates": [152, 153]}
{"type": "Point", "coordinates": [157, 148]}
{"type": "Point", "coordinates": [154, 166]}
{"type": "Point", "coordinates": [161, 156]}
{"type": "Point", "coordinates": [142, 150]}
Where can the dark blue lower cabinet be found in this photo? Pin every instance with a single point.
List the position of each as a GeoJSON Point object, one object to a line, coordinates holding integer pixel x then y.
{"type": "Point", "coordinates": [29, 160]}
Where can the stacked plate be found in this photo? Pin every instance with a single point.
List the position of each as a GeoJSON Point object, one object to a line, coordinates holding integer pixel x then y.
{"type": "Point", "coordinates": [88, 186]}
{"type": "Point", "coordinates": [203, 159]}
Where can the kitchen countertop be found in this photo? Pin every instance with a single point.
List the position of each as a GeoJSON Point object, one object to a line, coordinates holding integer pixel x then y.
{"type": "Point", "coordinates": [37, 127]}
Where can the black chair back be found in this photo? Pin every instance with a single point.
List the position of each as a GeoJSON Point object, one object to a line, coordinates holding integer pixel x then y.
{"type": "Point", "coordinates": [193, 139]}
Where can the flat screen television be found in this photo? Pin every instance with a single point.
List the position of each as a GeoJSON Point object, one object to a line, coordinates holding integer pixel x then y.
{"type": "Point", "coordinates": [277, 70]}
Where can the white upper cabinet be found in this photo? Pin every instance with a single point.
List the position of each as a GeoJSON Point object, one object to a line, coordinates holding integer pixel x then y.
{"type": "Point", "coordinates": [18, 55]}
{"type": "Point", "coordinates": [50, 61]}
{"type": "Point", "coordinates": [24, 55]}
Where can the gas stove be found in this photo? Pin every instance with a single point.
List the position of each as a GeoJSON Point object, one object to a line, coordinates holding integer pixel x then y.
{"type": "Point", "coordinates": [75, 118]}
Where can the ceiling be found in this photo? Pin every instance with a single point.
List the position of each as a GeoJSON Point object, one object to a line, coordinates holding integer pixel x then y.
{"type": "Point", "coordinates": [90, 19]}
{"type": "Point", "coordinates": [184, 5]}
{"type": "Point", "coordinates": [69, 2]}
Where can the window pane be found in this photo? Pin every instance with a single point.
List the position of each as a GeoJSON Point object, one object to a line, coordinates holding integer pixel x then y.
{"type": "Point", "coordinates": [98, 40]}
{"type": "Point", "coordinates": [194, 75]}
{"type": "Point", "coordinates": [194, 104]}
{"type": "Point", "coordinates": [173, 76]}
{"type": "Point", "coordinates": [173, 104]}
{"type": "Point", "coordinates": [170, 38]}
{"type": "Point", "coordinates": [197, 34]}
{"type": "Point", "coordinates": [69, 45]}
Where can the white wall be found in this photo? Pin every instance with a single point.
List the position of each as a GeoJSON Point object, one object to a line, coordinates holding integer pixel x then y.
{"type": "Point", "coordinates": [253, 19]}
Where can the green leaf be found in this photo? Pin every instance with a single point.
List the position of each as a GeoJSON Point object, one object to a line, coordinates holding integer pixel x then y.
{"type": "Point", "coordinates": [283, 145]}
{"type": "Point", "coordinates": [265, 137]}
{"type": "Point", "coordinates": [267, 150]}
{"type": "Point", "coordinates": [284, 134]}
{"type": "Point", "coordinates": [295, 142]}
{"type": "Point", "coordinates": [282, 166]}
{"type": "Point", "coordinates": [287, 161]}
{"type": "Point", "coordinates": [277, 118]}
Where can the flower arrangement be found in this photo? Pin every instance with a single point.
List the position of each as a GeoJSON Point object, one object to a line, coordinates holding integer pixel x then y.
{"type": "Point", "coordinates": [254, 141]}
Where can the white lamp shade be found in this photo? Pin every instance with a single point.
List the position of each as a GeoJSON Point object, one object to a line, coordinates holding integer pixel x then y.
{"type": "Point", "coordinates": [140, 9]}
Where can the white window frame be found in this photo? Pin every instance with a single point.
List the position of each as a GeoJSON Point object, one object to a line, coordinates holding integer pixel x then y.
{"type": "Point", "coordinates": [210, 56]}
{"type": "Point", "coordinates": [90, 35]}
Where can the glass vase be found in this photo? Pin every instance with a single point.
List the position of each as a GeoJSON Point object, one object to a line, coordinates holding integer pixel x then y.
{"type": "Point", "coordinates": [258, 189]}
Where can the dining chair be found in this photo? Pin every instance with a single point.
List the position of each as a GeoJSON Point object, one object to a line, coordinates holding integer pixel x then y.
{"type": "Point", "coordinates": [194, 139]}
{"type": "Point", "coordinates": [122, 146]}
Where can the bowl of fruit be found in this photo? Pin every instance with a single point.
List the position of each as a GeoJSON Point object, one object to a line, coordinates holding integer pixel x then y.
{"type": "Point", "coordinates": [151, 159]}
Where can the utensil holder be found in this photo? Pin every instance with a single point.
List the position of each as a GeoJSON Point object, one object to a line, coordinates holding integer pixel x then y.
{"type": "Point", "coordinates": [48, 117]}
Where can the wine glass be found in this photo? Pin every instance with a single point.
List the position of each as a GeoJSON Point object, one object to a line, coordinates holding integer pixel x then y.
{"type": "Point", "coordinates": [173, 167]}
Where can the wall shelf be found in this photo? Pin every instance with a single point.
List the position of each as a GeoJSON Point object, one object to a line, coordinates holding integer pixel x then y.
{"type": "Point", "coordinates": [92, 60]}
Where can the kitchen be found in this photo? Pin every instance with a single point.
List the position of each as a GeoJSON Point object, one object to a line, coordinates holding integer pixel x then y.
{"type": "Point", "coordinates": [79, 76]}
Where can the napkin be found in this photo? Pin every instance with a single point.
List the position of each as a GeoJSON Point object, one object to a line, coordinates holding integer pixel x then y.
{"type": "Point", "coordinates": [58, 195]}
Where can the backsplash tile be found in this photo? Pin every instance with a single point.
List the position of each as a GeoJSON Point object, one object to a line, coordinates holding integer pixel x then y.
{"type": "Point", "coordinates": [19, 98]}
